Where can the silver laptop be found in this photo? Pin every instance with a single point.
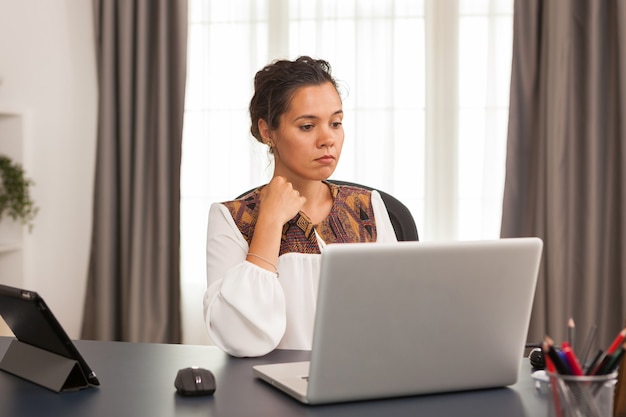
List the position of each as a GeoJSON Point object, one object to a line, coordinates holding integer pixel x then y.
{"type": "Point", "coordinates": [413, 318]}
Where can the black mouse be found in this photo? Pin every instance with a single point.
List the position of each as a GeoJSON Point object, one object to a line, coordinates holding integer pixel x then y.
{"type": "Point", "coordinates": [194, 382]}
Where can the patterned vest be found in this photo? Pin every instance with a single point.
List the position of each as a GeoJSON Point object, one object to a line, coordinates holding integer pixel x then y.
{"type": "Point", "coordinates": [351, 219]}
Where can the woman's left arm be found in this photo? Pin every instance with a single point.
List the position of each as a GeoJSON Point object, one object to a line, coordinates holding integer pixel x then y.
{"type": "Point", "coordinates": [384, 228]}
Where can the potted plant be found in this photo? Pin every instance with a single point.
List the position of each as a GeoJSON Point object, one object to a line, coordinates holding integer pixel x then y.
{"type": "Point", "coordinates": [15, 200]}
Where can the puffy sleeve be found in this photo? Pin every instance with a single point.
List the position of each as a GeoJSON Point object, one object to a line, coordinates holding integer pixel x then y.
{"type": "Point", "coordinates": [244, 305]}
{"type": "Point", "coordinates": [384, 228]}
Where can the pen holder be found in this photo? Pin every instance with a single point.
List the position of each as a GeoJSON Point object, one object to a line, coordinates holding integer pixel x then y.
{"type": "Point", "coordinates": [581, 396]}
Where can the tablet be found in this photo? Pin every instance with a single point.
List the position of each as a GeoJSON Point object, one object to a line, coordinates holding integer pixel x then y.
{"type": "Point", "coordinates": [33, 323]}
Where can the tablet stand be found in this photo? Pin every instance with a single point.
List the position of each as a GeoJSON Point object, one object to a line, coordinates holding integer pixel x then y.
{"type": "Point", "coordinates": [42, 367]}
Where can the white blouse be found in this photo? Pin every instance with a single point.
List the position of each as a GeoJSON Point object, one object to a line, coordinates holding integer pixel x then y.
{"type": "Point", "coordinates": [248, 311]}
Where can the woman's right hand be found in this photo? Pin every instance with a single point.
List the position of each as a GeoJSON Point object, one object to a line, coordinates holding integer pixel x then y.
{"type": "Point", "coordinates": [280, 200]}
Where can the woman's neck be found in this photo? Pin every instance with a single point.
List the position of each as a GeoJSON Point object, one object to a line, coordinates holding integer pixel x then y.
{"type": "Point", "coordinates": [319, 200]}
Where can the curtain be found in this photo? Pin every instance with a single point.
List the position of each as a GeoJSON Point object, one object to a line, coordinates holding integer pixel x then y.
{"type": "Point", "coordinates": [133, 289]}
{"type": "Point", "coordinates": [565, 170]}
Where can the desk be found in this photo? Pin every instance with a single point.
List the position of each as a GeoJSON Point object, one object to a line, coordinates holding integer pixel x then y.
{"type": "Point", "coordinates": [137, 380]}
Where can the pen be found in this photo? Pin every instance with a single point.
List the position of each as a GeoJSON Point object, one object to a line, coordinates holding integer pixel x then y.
{"type": "Point", "coordinates": [612, 361]}
{"type": "Point", "coordinates": [550, 351]}
{"type": "Point", "coordinates": [588, 342]}
{"type": "Point", "coordinates": [555, 393]}
{"type": "Point", "coordinates": [600, 362]}
{"type": "Point", "coordinates": [568, 370]}
{"type": "Point", "coordinates": [594, 363]}
{"type": "Point", "coordinates": [571, 331]}
{"type": "Point", "coordinates": [571, 360]}
{"type": "Point", "coordinates": [602, 358]}
{"type": "Point", "coordinates": [619, 339]}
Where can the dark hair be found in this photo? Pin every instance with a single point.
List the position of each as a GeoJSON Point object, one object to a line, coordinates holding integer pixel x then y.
{"type": "Point", "coordinates": [275, 85]}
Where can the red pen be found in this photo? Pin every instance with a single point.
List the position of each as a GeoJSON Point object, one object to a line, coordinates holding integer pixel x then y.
{"type": "Point", "coordinates": [555, 393]}
{"type": "Point", "coordinates": [603, 358]}
{"type": "Point", "coordinates": [617, 342]}
{"type": "Point", "coordinates": [572, 360]}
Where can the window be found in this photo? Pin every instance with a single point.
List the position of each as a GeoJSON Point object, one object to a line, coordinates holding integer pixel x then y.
{"type": "Point", "coordinates": [425, 101]}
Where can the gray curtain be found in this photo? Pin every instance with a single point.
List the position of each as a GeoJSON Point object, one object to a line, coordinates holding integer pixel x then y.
{"type": "Point", "coordinates": [566, 161]}
{"type": "Point", "coordinates": [133, 291]}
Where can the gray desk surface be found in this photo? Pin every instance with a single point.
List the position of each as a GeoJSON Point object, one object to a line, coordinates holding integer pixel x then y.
{"type": "Point", "coordinates": [138, 380]}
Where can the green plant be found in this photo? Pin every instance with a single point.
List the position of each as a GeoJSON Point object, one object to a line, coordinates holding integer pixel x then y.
{"type": "Point", "coordinates": [15, 198]}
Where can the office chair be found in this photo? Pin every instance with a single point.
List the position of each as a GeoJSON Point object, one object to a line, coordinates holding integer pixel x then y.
{"type": "Point", "coordinates": [401, 218]}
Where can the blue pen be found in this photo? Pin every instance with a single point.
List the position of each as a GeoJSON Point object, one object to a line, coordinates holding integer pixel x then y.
{"type": "Point", "coordinates": [565, 361]}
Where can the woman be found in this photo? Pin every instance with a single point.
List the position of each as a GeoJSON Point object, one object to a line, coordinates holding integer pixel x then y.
{"type": "Point", "coordinates": [264, 249]}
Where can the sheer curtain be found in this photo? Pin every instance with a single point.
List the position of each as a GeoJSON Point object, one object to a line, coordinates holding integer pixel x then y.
{"type": "Point", "coordinates": [425, 89]}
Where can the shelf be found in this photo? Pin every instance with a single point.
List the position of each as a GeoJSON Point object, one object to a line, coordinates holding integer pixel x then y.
{"type": "Point", "coordinates": [12, 144]}
{"type": "Point", "coordinates": [11, 135]}
{"type": "Point", "coordinates": [9, 248]}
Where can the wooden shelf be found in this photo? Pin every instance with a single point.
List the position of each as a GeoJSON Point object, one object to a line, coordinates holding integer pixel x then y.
{"type": "Point", "coordinates": [6, 248]}
{"type": "Point", "coordinates": [12, 144]}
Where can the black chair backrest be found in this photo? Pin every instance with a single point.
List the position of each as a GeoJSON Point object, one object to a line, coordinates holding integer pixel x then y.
{"type": "Point", "coordinates": [401, 217]}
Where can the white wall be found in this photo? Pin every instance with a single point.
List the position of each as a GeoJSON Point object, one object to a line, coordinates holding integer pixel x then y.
{"type": "Point", "coordinates": [47, 69]}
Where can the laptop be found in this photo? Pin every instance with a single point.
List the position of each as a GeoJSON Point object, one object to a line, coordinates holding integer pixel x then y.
{"type": "Point", "coordinates": [34, 325]}
{"type": "Point", "coordinates": [411, 318]}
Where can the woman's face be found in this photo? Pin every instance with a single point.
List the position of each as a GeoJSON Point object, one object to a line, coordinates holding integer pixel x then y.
{"type": "Point", "coordinates": [308, 141]}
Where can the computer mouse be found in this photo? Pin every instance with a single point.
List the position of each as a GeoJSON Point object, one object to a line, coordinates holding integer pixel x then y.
{"type": "Point", "coordinates": [194, 382]}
